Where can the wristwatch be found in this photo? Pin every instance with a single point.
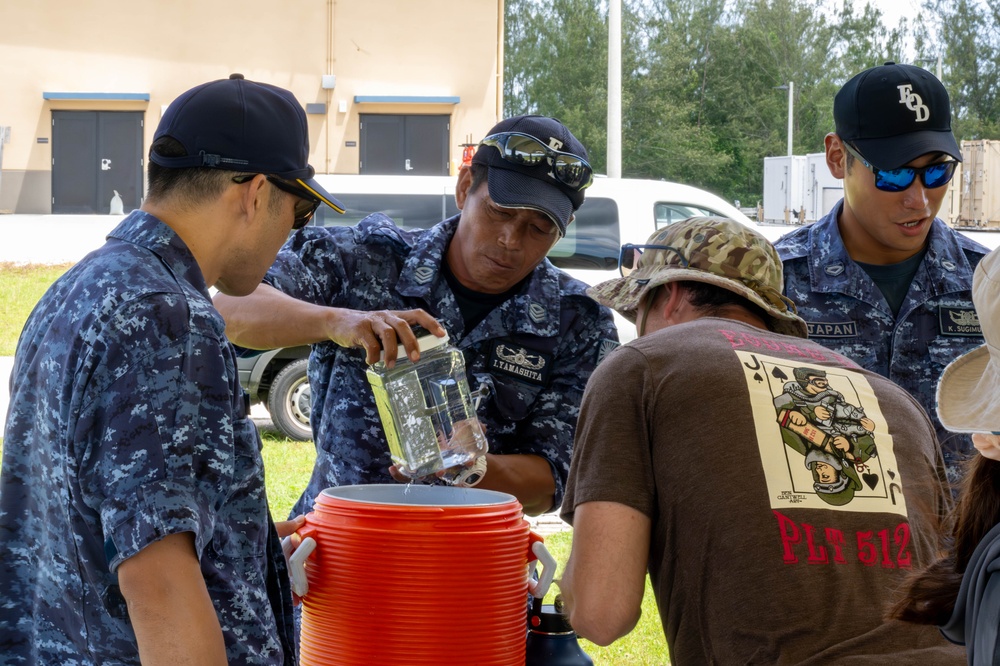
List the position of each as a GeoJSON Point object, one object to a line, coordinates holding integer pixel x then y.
{"type": "Point", "coordinates": [471, 475]}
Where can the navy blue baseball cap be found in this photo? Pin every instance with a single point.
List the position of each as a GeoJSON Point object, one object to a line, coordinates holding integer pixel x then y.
{"type": "Point", "coordinates": [240, 125]}
{"type": "Point", "coordinates": [894, 114]}
{"type": "Point", "coordinates": [513, 185]}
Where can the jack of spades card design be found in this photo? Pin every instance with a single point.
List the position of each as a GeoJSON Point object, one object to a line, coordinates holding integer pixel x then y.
{"type": "Point", "coordinates": [823, 440]}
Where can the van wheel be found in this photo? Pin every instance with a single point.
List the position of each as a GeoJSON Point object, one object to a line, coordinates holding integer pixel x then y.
{"type": "Point", "coordinates": [289, 401]}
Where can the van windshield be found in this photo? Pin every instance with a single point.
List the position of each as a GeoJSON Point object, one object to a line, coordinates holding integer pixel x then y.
{"type": "Point", "coordinates": [408, 211]}
{"type": "Point", "coordinates": [668, 213]}
{"type": "Point", "coordinates": [593, 240]}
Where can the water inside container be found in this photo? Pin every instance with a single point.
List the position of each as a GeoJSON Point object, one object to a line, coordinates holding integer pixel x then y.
{"type": "Point", "coordinates": [427, 412]}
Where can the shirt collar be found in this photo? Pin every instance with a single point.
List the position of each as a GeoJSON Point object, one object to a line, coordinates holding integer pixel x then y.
{"type": "Point", "coordinates": [535, 310]}
{"type": "Point", "coordinates": [147, 231]}
{"type": "Point", "coordinates": [832, 269]}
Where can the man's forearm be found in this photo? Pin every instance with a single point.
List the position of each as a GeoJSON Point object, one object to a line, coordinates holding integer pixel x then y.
{"type": "Point", "coordinates": [604, 579]}
{"type": "Point", "coordinates": [268, 319]}
{"type": "Point", "coordinates": [526, 477]}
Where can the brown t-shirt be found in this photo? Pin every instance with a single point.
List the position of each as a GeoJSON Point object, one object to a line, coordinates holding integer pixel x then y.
{"type": "Point", "coordinates": [789, 490]}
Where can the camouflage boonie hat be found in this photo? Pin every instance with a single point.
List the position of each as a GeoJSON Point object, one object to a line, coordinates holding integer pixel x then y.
{"type": "Point", "coordinates": [715, 250]}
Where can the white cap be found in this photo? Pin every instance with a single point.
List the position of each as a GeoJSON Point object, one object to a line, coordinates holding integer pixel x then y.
{"type": "Point", "coordinates": [424, 343]}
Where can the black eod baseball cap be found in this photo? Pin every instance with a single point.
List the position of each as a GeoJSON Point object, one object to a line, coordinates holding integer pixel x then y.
{"type": "Point", "coordinates": [240, 125]}
{"type": "Point", "coordinates": [894, 114]}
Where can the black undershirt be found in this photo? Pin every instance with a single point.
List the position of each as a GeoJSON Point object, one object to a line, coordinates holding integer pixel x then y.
{"type": "Point", "coordinates": [894, 279]}
{"type": "Point", "coordinates": [475, 305]}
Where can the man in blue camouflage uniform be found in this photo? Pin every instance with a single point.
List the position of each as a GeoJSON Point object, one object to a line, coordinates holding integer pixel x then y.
{"type": "Point", "coordinates": [880, 279]}
{"type": "Point", "coordinates": [484, 275]}
{"type": "Point", "coordinates": [133, 518]}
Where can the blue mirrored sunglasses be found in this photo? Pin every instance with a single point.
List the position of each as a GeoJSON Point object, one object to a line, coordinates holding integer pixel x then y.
{"type": "Point", "coordinates": [628, 258]}
{"type": "Point", "coordinates": [897, 180]}
{"type": "Point", "coordinates": [517, 148]}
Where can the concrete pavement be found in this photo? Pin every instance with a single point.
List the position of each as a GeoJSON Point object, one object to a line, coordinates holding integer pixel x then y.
{"type": "Point", "coordinates": [52, 239]}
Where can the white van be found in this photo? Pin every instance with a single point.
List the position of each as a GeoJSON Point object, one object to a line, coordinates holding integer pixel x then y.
{"type": "Point", "coordinates": [615, 211]}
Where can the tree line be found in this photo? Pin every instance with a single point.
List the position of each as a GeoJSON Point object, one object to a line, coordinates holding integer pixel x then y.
{"type": "Point", "coordinates": [700, 97]}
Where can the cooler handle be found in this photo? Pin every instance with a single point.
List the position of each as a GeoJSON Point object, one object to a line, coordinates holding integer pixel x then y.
{"type": "Point", "coordinates": [538, 588]}
{"type": "Point", "coordinates": [296, 563]}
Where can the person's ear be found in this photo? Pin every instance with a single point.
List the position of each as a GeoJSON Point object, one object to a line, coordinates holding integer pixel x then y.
{"type": "Point", "coordinates": [671, 296]}
{"type": "Point", "coordinates": [659, 306]}
{"type": "Point", "coordinates": [463, 187]}
{"type": "Point", "coordinates": [252, 196]}
{"type": "Point", "coordinates": [836, 155]}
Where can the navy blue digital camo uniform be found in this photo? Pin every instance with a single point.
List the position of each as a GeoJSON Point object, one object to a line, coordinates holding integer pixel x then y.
{"type": "Point", "coordinates": [127, 424]}
{"type": "Point", "coordinates": [376, 266]}
{"type": "Point", "coordinates": [846, 311]}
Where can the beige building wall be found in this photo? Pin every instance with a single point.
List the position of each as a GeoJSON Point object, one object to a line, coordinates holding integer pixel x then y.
{"type": "Point", "coordinates": [428, 56]}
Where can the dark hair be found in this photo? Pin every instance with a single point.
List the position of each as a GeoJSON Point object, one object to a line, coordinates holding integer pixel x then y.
{"type": "Point", "coordinates": [929, 595]}
{"type": "Point", "coordinates": [712, 300]}
{"type": "Point", "coordinates": [850, 157]}
{"type": "Point", "coordinates": [192, 184]}
{"type": "Point", "coordinates": [479, 174]}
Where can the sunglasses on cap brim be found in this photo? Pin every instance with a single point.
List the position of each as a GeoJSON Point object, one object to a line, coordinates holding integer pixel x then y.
{"type": "Point", "coordinates": [628, 258]}
{"type": "Point", "coordinates": [305, 204]}
{"type": "Point", "coordinates": [525, 150]}
{"type": "Point", "coordinates": [932, 176]}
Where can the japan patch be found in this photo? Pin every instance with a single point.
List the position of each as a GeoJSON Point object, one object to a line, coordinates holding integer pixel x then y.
{"type": "Point", "coordinates": [832, 329]}
{"type": "Point", "coordinates": [959, 321]}
{"type": "Point", "coordinates": [526, 365]}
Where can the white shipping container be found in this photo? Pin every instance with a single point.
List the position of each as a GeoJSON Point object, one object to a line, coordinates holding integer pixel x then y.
{"type": "Point", "coordinates": [951, 206]}
{"type": "Point", "coordinates": [980, 185]}
{"type": "Point", "coordinates": [822, 189]}
{"type": "Point", "coordinates": [784, 189]}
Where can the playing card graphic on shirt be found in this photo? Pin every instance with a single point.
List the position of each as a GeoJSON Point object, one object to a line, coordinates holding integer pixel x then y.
{"type": "Point", "coordinates": [823, 440]}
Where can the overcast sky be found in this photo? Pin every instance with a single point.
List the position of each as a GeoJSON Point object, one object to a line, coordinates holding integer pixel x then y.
{"type": "Point", "coordinates": [893, 10]}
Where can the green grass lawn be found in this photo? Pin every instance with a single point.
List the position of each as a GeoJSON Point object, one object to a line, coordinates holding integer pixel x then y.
{"type": "Point", "coordinates": [20, 289]}
{"type": "Point", "coordinates": [288, 465]}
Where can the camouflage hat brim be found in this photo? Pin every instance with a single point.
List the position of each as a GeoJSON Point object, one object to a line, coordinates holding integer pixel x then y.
{"type": "Point", "coordinates": [624, 295]}
{"type": "Point", "coordinates": [713, 250]}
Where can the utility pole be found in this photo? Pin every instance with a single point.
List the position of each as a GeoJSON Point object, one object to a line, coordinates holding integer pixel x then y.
{"type": "Point", "coordinates": [615, 88]}
{"type": "Point", "coordinates": [791, 102]}
{"type": "Point", "coordinates": [791, 97]}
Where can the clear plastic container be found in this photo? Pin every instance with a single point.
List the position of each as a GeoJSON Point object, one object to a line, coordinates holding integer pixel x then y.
{"type": "Point", "coordinates": [426, 409]}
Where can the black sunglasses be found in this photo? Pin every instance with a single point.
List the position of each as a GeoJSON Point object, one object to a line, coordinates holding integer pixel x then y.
{"type": "Point", "coordinates": [571, 170]}
{"type": "Point", "coordinates": [897, 180]}
{"type": "Point", "coordinates": [628, 258]}
{"type": "Point", "coordinates": [305, 205]}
